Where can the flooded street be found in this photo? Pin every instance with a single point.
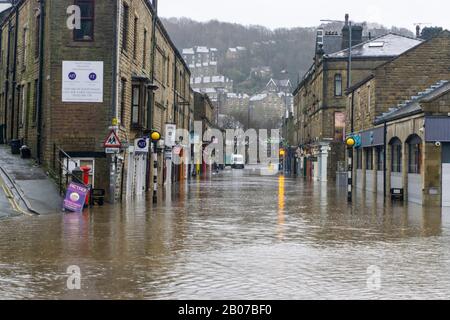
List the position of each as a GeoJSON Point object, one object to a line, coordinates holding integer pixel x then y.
{"type": "Point", "coordinates": [231, 237]}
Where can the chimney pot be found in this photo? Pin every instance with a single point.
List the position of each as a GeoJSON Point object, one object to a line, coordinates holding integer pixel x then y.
{"type": "Point", "coordinates": [417, 31]}
{"type": "Point", "coordinates": [346, 19]}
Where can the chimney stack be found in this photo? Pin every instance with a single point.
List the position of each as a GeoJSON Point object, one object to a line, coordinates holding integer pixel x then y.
{"type": "Point", "coordinates": [155, 5]}
{"type": "Point", "coordinates": [357, 34]}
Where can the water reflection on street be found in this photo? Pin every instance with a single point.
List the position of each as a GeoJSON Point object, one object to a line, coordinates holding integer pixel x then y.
{"type": "Point", "coordinates": [234, 236]}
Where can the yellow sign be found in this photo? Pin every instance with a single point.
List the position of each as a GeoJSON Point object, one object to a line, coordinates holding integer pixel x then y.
{"type": "Point", "coordinates": [350, 142]}
{"type": "Point", "coordinates": [282, 152]}
{"type": "Point", "coordinates": [155, 136]}
{"type": "Point", "coordinates": [115, 122]}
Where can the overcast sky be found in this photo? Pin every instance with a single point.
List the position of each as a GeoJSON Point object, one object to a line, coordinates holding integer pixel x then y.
{"type": "Point", "coordinates": [295, 13]}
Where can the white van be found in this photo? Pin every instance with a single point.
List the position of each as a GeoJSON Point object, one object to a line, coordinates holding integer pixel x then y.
{"type": "Point", "coordinates": [238, 161]}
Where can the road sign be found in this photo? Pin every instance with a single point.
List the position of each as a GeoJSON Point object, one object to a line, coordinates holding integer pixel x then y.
{"type": "Point", "coordinates": [112, 141]}
{"type": "Point", "coordinates": [141, 145]}
{"type": "Point", "coordinates": [112, 150]}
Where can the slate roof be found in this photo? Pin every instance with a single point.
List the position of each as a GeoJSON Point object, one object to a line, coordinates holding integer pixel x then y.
{"type": "Point", "coordinates": [389, 45]}
{"type": "Point", "coordinates": [413, 106]}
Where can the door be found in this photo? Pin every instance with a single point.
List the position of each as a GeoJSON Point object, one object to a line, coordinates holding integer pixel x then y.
{"type": "Point", "coordinates": [446, 175]}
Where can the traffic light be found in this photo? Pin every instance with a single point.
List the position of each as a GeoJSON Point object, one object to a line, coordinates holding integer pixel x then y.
{"type": "Point", "coordinates": [282, 152]}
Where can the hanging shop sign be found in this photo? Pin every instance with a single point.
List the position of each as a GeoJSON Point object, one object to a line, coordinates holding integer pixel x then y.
{"type": "Point", "coordinates": [170, 135]}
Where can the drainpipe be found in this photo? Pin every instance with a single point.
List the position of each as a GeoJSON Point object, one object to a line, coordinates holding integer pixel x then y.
{"type": "Point", "coordinates": [8, 61]}
{"type": "Point", "coordinates": [40, 80]}
{"type": "Point", "coordinates": [150, 104]}
{"type": "Point", "coordinates": [115, 68]}
{"type": "Point", "coordinates": [14, 71]}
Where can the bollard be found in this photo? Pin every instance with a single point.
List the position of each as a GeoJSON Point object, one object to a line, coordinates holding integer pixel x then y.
{"type": "Point", "coordinates": [350, 175]}
{"type": "Point", "coordinates": [86, 170]}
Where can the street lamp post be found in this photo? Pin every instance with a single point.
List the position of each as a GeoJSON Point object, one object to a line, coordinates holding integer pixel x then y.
{"type": "Point", "coordinates": [349, 82]}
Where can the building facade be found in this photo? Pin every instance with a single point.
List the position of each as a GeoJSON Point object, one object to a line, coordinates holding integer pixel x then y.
{"type": "Point", "coordinates": [400, 112]}
{"type": "Point", "coordinates": [320, 102]}
{"type": "Point", "coordinates": [138, 82]}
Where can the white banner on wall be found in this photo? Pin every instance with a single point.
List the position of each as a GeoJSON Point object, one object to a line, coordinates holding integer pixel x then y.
{"type": "Point", "coordinates": [82, 81]}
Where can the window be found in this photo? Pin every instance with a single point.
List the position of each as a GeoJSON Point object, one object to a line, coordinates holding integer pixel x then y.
{"type": "Point", "coordinates": [359, 159]}
{"type": "Point", "coordinates": [136, 99]}
{"type": "Point", "coordinates": [125, 19]}
{"type": "Point", "coordinates": [144, 53]}
{"type": "Point", "coordinates": [415, 155]}
{"type": "Point", "coordinates": [86, 32]}
{"type": "Point", "coordinates": [369, 158]}
{"type": "Point", "coordinates": [121, 112]}
{"type": "Point", "coordinates": [338, 85]}
{"type": "Point", "coordinates": [339, 126]}
{"type": "Point", "coordinates": [396, 155]}
{"type": "Point", "coordinates": [37, 36]}
{"type": "Point", "coordinates": [35, 100]}
{"type": "Point", "coordinates": [380, 158]}
{"type": "Point", "coordinates": [135, 37]}
{"type": "Point", "coordinates": [23, 112]}
{"type": "Point", "coordinates": [24, 48]}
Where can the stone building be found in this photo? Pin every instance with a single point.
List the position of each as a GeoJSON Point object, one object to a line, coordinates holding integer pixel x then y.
{"type": "Point", "coordinates": [400, 112]}
{"type": "Point", "coordinates": [202, 61]}
{"type": "Point", "coordinates": [64, 89]}
{"type": "Point", "coordinates": [235, 102]}
{"type": "Point", "coordinates": [266, 110]}
{"type": "Point", "coordinates": [320, 102]}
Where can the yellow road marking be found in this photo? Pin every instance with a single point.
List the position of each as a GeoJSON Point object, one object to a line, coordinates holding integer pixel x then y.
{"type": "Point", "coordinates": [16, 207]}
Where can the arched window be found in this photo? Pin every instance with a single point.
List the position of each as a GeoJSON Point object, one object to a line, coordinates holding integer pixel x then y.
{"type": "Point", "coordinates": [338, 85]}
{"type": "Point", "coordinates": [414, 154]}
{"type": "Point", "coordinates": [396, 155]}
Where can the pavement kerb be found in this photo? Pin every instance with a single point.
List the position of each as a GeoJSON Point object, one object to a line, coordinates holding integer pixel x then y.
{"type": "Point", "coordinates": [19, 191]}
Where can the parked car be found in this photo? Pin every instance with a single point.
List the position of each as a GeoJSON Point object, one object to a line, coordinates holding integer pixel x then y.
{"type": "Point", "coordinates": [238, 162]}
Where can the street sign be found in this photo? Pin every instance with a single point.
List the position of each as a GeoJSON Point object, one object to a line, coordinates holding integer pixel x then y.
{"type": "Point", "coordinates": [141, 145]}
{"type": "Point", "coordinates": [112, 141]}
{"type": "Point", "coordinates": [112, 150]}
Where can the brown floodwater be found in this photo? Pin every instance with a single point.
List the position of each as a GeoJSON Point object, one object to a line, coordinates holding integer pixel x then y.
{"type": "Point", "coordinates": [234, 236]}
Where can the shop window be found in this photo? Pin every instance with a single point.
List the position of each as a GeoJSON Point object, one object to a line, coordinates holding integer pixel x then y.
{"type": "Point", "coordinates": [369, 158]}
{"type": "Point", "coordinates": [396, 155]}
{"type": "Point", "coordinates": [380, 158]}
{"type": "Point", "coordinates": [359, 161]}
{"type": "Point", "coordinates": [415, 155]}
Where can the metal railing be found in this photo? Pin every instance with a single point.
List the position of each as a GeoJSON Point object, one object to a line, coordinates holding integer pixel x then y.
{"type": "Point", "coordinates": [61, 169]}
